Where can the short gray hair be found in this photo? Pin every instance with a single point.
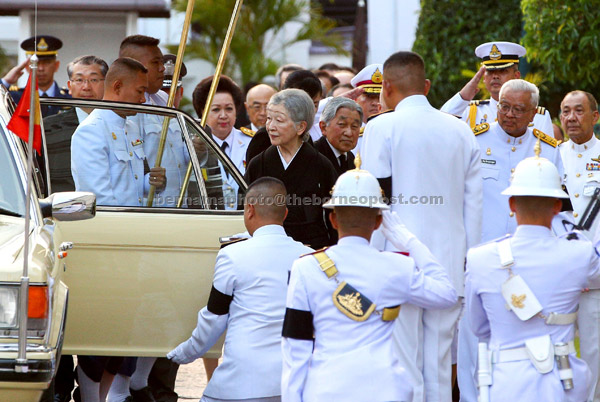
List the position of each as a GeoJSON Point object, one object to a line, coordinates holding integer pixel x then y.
{"type": "Point", "coordinates": [522, 86]}
{"type": "Point", "coordinates": [298, 106]}
{"type": "Point", "coordinates": [88, 60]}
{"type": "Point", "coordinates": [335, 104]}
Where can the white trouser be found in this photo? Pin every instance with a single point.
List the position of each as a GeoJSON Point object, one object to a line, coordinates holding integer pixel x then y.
{"type": "Point", "coordinates": [588, 322]}
{"type": "Point", "coordinates": [467, 361]}
{"type": "Point", "coordinates": [423, 339]}
{"type": "Point", "coordinates": [265, 399]}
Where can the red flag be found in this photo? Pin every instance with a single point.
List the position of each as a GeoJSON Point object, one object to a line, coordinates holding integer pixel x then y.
{"type": "Point", "coordinates": [19, 122]}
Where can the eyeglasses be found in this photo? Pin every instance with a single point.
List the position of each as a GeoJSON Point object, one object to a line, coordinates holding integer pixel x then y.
{"type": "Point", "coordinates": [517, 111]}
{"type": "Point", "coordinates": [259, 107]}
{"type": "Point", "coordinates": [81, 81]}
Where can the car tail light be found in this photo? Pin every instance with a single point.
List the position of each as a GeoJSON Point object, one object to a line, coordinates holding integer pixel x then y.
{"type": "Point", "coordinates": [38, 302]}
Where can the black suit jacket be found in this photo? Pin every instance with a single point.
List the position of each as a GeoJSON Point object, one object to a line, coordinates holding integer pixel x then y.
{"type": "Point", "coordinates": [59, 129]}
{"type": "Point", "coordinates": [324, 148]}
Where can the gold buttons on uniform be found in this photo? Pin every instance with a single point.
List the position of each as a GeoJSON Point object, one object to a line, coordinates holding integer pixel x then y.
{"type": "Point", "coordinates": [575, 214]}
{"type": "Point", "coordinates": [512, 170]}
{"type": "Point", "coordinates": [513, 149]}
{"type": "Point", "coordinates": [140, 200]}
{"type": "Point", "coordinates": [579, 155]}
{"type": "Point", "coordinates": [488, 152]}
{"type": "Point", "coordinates": [576, 195]}
{"type": "Point", "coordinates": [512, 214]}
{"type": "Point", "coordinates": [589, 175]}
{"type": "Point", "coordinates": [508, 141]}
{"type": "Point", "coordinates": [130, 153]}
{"type": "Point", "coordinates": [135, 176]}
{"type": "Point", "coordinates": [578, 174]}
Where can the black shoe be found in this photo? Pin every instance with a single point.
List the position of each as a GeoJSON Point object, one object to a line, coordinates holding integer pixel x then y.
{"type": "Point", "coordinates": [142, 395]}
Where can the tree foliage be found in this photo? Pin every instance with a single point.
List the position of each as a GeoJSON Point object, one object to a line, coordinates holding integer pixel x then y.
{"type": "Point", "coordinates": [563, 41]}
{"type": "Point", "coordinates": [252, 50]}
{"type": "Point", "coordinates": [450, 30]}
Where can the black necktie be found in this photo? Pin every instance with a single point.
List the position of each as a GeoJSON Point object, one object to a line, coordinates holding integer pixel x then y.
{"type": "Point", "coordinates": [342, 159]}
{"type": "Point", "coordinates": [224, 149]}
{"type": "Point", "coordinates": [44, 108]}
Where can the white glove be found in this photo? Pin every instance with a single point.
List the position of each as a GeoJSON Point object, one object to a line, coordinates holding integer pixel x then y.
{"type": "Point", "coordinates": [396, 231]}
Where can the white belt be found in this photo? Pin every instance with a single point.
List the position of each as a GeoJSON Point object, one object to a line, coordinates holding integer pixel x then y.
{"type": "Point", "coordinates": [561, 319]}
{"type": "Point", "coordinates": [516, 354]}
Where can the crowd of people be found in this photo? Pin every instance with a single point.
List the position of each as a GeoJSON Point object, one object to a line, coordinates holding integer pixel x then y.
{"type": "Point", "coordinates": [426, 244]}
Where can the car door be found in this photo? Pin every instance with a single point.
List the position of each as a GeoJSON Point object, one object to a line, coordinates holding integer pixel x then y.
{"type": "Point", "coordinates": [138, 275]}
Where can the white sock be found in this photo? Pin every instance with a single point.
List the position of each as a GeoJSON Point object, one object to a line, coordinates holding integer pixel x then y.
{"type": "Point", "coordinates": [119, 390]}
{"type": "Point", "coordinates": [139, 379]}
{"type": "Point", "coordinates": [90, 390]}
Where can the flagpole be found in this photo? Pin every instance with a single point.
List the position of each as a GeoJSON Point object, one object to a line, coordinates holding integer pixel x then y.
{"type": "Point", "coordinates": [21, 363]}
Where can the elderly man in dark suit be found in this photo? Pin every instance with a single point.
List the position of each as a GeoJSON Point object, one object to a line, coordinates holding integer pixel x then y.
{"type": "Point", "coordinates": [340, 123]}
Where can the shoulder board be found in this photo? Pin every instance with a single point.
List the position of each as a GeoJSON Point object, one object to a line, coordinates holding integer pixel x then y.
{"type": "Point", "coordinates": [479, 102]}
{"type": "Point", "coordinates": [64, 91]}
{"type": "Point", "coordinates": [247, 131]}
{"type": "Point", "coordinates": [13, 88]}
{"type": "Point", "coordinates": [232, 241]}
{"type": "Point", "coordinates": [541, 110]}
{"type": "Point", "coordinates": [379, 114]}
{"type": "Point", "coordinates": [481, 128]}
{"type": "Point", "coordinates": [315, 252]}
{"type": "Point", "coordinates": [362, 130]}
{"type": "Point", "coordinates": [497, 240]}
{"type": "Point", "coordinates": [545, 138]}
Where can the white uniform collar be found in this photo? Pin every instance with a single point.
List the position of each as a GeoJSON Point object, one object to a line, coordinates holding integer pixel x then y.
{"type": "Point", "coordinates": [509, 139]}
{"type": "Point", "coordinates": [585, 146]}
{"type": "Point", "coordinates": [269, 230]}
{"type": "Point", "coordinates": [112, 118]}
{"type": "Point", "coordinates": [253, 127]}
{"type": "Point", "coordinates": [159, 98]}
{"type": "Point", "coordinates": [352, 241]}
{"type": "Point", "coordinates": [81, 115]}
{"type": "Point", "coordinates": [413, 100]}
{"type": "Point", "coordinates": [533, 231]}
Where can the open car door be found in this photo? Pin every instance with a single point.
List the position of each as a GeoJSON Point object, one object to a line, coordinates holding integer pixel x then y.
{"type": "Point", "coordinates": [138, 276]}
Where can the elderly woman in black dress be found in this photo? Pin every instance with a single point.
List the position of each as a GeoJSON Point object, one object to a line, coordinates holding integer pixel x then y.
{"type": "Point", "coordinates": [308, 175]}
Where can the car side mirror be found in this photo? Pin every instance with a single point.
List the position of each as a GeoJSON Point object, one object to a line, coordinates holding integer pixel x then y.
{"type": "Point", "coordinates": [69, 206]}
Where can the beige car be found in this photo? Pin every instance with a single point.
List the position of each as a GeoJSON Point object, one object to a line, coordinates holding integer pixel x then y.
{"type": "Point", "coordinates": [24, 377]}
{"type": "Point", "coordinates": [137, 276]}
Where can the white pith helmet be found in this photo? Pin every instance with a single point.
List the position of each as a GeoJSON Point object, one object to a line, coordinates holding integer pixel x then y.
{"type": "Point", "coordinates": [356, 188]}
{"type": "Point", "coordinates": [536, 177]}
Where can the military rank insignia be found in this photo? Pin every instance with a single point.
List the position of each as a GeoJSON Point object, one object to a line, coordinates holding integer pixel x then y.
{"type": "Point", "coordinates": [137, 142]}
{"type": "Point", "coordinates": [351, 303]}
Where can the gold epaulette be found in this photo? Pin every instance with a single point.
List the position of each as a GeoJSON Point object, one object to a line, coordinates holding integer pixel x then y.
{"type": "Point", "coordinates": [545, 138]}
{"type": "Point", "coordinates": [247, 131]}
{"type": "Point", "coordinates": [314, 252]}
{"type": "Point", "coordinates": [478, 102]}
{"type": "Point", "coordinates": [362, 130]}
{"type": "Point", "coordinates": [379, 114]}
{"type": "Point", "coordinates": [541, 110]}
{"type": "Point", "coordinates": [481, 128]}
{"type": "Point", "coordinates": [13, 88]}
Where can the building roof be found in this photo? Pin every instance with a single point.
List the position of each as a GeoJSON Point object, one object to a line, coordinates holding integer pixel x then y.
{"type": "Point", "coordinates": [145, 8]}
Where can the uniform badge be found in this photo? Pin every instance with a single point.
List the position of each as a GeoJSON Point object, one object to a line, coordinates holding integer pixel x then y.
{"type": "Point", "coordinates": [517, 301]}
{"type": "Point", "coordinates": [114, 136]}
{"type": "Point", "coordinates": [495, 54]}
{"type": "Point", "coordinates": [592, 166]}
{"type": "Point", "coordinates": [596, 159]}
{"type": "Point", "coordinates": [42, 45]}
{"type": "Point", "coordinates": [351, 303]}
{"type": "Point", "coordinates": [137, 142]}
{"type": "Point", "coordinates": [377, 77]}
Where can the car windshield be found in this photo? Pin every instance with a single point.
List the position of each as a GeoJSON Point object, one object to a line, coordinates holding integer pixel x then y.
{"type": "Point", "coordinates": [12, 197]}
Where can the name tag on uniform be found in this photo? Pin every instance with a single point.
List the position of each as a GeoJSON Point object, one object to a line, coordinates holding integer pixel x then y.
{"type": "Point", "coordinates": [488, 161]}
{"type": "Point", "coordinates": [520, 298]}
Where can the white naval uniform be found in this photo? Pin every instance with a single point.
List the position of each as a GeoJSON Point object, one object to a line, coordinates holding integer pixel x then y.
{"type": "Point", "coordinates": [556, 270]}
{"type": "Point", "coordinates": [488, 112]}
{"type": "Point", "coordinates": [429, 153]}
{"type": "Point", "coordinates": [107, 158]}
{"type": "Point", "coordinates": [500, 154]}
{"type": "Point", "coordinates": [237, 144]}
{"type": "Point", "coordinates": [351, 360]}
{"type": "Point", "coordinates": [582, 175]}
{"type": "Point", "coordinates": [253, 274]}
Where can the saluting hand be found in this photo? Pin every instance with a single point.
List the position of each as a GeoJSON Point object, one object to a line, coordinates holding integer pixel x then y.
{"type": "Point", "coordinates": [396, 231]}
{"type": "Point", "coordinates": [470, 90]}
{"type": "Point", "coordinates": [158, 177]}
{"type": "Point", "coordinates": [13, 75]}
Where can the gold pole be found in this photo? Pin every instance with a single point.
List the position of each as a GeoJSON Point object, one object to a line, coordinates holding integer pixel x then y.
{"type": "Point", "coordinates": [213, 87]}
{"type": "Point", "coordinates": [172, 91]}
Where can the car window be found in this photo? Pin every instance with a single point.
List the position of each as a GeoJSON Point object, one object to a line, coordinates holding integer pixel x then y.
{"type": "Point", "coordinates": [111, 152]}
{"type": "Point", "coordinates": [12, 195]}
